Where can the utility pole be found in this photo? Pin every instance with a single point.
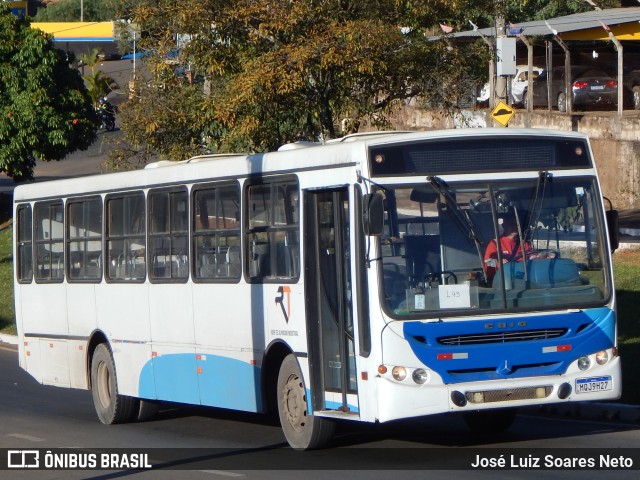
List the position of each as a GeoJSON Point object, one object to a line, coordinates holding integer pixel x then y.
{"type": "Point", "coordinates": [500, 91]}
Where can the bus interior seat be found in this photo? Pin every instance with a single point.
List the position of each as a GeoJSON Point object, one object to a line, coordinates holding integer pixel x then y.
{"type": "Point", "coordinates": [422, 256]}
{"type": "Point", "coordinates": [233, 261]}
{"type": "Point", "coordinates": [207, 265]}
{"type": "Point", "coordinates": [287, 260]}
{"type": "Point", "coordinates": [260, 265]}
{"type": "Point", "coordinates": [222, 262]}
{"type": "Point", "coordinates": [395, 278]}
{"type": "Point", "coordinates": [460, 254]}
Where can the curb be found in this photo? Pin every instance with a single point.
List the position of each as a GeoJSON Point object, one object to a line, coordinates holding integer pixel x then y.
{"type": "Point", "coordinates": [10, 339]}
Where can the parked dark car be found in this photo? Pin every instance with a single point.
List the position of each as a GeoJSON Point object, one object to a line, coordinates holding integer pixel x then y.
{"type": "Point", "coordinates": [590, 88]}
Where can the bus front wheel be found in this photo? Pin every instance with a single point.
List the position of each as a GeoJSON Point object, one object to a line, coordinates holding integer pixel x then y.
{"type": "Point", "coordinates": [110, 406]}
{"type": "Point", "coordinates": [302, 430]}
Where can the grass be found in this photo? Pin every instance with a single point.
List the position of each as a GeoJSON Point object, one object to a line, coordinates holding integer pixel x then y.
{"type": "Point", "coordinates": [626, 267]}
{"type": "Point", "coordinates": [7, 313]}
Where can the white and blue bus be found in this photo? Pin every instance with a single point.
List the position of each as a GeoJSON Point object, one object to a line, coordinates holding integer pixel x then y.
{"type": "Point", "coordinates": [345, 281]}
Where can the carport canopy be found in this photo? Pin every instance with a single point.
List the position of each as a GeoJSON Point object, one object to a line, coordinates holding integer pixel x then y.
{"type": "Point", "coordinates": [614, 25]}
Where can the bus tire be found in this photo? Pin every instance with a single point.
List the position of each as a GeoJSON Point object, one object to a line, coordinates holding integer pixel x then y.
{"type": "Point", "coordinates": [148, 410]}
{"type": "Point", "coordinates": [490, 421]}
{"type": "Point", "coordinates": [302, 431]}
{"type": "Point", "coordinates": [110, 406]}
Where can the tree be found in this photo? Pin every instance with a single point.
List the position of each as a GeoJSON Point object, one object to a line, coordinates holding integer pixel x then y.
{"type": "Point", "coordinates": [523, 11]}
{"type": "Point", "coordinates": [98, 85]}
{"type": "Point", "coordinates": [279, 71]}
{"type": "Point", "coordinates": [70, 11]}
{"type": "Point", "coordinates": [45, 111]}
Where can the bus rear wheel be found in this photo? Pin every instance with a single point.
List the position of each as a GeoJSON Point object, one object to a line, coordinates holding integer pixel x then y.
{"type": "Point", "coordinates": [302, 430]}
{"type": "Point", "coordinates": [110, 406]}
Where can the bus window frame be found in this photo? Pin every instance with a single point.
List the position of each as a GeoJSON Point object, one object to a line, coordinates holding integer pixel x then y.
{"type": "Point", "coordinates": [69, 240]}
{"type": "Point", "coordinates": [216, 233]}
{"type": "Point", "coordinates": [109, 238]}
{"type": "Point", "coordinates": [21, 242]}
{"type": "Point", "coordinates": [150, 235]}
{"type": "Point", "coordinates": [270, 229]}
{"type": "Point", "coordinates": [50, 241]}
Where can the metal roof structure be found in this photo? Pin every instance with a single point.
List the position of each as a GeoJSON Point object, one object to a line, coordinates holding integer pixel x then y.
{"type": "Point", "coordinates": [77, 31]}
{"type": "Point", "coordinates": [622, 22]}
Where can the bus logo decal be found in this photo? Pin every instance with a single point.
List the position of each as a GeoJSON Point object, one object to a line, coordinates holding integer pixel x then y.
{"type": "Point", "coordinates": [286, 310]}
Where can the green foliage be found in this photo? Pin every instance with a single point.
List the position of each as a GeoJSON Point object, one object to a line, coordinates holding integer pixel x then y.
{"type": "Point", "coordinates": [280, 71]}
{"type": "Point", "coordinates": [515, 11]}
{"type": "Point", "coordinates": [98, 85]}
{"type": "Point", "coordinates": [45, 111]}
{"type": "Point", "coordinates": [174, 120]}
{"type": "Point", "coordinates": [627, 277]}
{"type": "Point", "coordinates": [69, 11]}
{"type": "Point", "coordinates": [628, 291]}
{"type": "Point", "coordinates": [284, 71]}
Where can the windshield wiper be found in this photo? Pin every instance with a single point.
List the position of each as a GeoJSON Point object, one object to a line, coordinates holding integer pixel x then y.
{"type": "Point", "coordinates": [459, 215]}
{"type": "Point", "coordinates": [535, 207]}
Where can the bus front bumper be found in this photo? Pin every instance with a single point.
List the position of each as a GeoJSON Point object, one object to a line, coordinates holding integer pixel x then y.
{"type": "Point", "coordinates": [406, 399]}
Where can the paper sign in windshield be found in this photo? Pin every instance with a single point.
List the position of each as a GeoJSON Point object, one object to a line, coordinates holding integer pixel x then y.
{"type": "Point", "coordinates": [454, 296]}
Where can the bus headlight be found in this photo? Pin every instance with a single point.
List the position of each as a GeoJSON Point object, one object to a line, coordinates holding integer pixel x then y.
{"type": "Point", "coordinates": [399, 373]}
{"type": "Point", "coordinates": [602, 357]}
{"type": "Point", "coordinates": [584, 363]}
{"type": "Point", "coordinates": [420, 376]}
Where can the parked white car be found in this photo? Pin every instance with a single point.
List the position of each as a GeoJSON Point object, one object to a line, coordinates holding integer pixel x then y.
{"type": "Point", "coordinates": [518, 85]}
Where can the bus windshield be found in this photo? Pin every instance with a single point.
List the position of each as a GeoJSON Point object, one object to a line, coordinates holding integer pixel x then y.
{"type": "Point", "coordinates": [504, 245]}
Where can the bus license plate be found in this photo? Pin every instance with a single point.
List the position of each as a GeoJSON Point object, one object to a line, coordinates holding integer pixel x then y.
{"type": "Point", "coordinates": [593, 384]}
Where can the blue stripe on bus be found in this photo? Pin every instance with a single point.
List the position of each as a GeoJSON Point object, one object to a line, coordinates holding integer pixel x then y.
{"type": "Point", "coordinates": [223, 382]}
{"type": "Point", "coordinates": [587, 332]}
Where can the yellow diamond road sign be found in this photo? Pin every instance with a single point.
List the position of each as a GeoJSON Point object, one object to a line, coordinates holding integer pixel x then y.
{"type": "Point", "coordinates": [502, 113]}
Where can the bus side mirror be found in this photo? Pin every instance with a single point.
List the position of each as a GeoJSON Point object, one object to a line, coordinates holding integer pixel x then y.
{"type": "Point", "coordinates": [614, 229]}
{"type": "Point", "coordinates": [373, 214]}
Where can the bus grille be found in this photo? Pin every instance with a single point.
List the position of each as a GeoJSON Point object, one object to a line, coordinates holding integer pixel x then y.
{"type": "Point", "coordinates": [490, 396]}
{"type": "Point", "coordinates": [502, 337]}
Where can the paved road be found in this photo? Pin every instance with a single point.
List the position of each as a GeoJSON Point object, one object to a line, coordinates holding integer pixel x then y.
{"type": "Point", "coordinates": [40, 417]}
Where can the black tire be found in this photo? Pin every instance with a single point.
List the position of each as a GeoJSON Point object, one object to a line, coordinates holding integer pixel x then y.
{"type": "Point", "coordinates": [110, 406]}
{"type": "Point", "coordinates": [110, 125]}
{"type": "Point", "coordinates": [636, 98]}
{"type": "Point", "coordinates": [490, 421]}
{"type": "Point", "coordinates": [302, 431]}
{"type": "Point", "coordinates": [525, 100]}
{"type": "Point", "coordinates": [148, 410]}
{"type": "Point", "coordinates": [562, 102]}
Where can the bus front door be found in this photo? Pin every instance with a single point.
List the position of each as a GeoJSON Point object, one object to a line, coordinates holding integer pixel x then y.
{"type": "Point", "coordinates": [328, 296]}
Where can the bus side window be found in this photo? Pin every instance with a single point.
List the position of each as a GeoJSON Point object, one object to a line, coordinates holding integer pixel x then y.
{"type": "Point", "coordinates": [273, 251]}
{"type": "Point", "coordinates": [49, 237]}
{"type": "Point", "coordinates": [125, 239]}
{"type": "Point", "coordinates": [168, 223]}
{"type": "Point", "coordinates": [216, 232]}
{"type": "Point", "coordinates": [84, 239]}
{"type": "Point", "coordinates": [24, 243]}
